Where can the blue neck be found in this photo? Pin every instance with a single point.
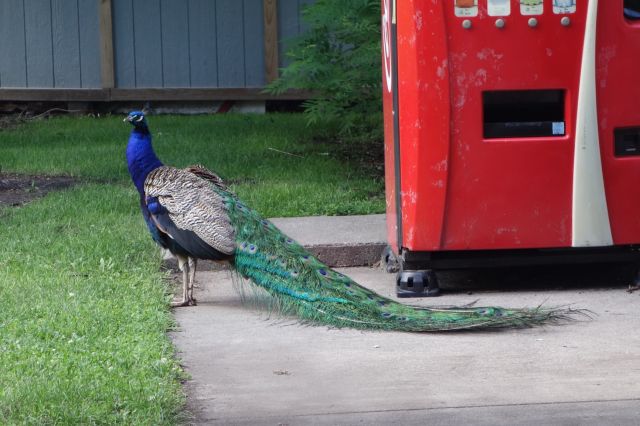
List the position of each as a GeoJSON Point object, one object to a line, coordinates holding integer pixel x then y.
{"type": "Point", "coordinates": [141, 159]}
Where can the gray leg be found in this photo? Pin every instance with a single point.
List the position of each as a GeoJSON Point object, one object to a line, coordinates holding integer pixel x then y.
{"type": "Point", "coordinates": [183, 264]}
{"type": "Point", "coordinates": [636, 283]}
{"type": "Point", "coordinates": [193, 264]}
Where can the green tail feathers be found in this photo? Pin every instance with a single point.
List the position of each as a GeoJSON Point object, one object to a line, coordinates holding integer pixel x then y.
{"type": "Point", "coordinates": [304, 285]}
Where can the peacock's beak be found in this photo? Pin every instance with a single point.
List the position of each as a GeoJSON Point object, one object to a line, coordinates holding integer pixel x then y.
{"type": "Point", "coordinates": [127, 118]}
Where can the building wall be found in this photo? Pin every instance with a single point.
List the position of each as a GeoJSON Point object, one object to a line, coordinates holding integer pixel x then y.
{"type": "Point", "coordinates": [290, 25]}
{"type": "Point", "coordinates": [156, 43]}
{"type": "Point", "coordinates": [49, 43]}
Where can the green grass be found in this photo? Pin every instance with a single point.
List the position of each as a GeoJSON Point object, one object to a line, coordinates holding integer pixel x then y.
{"type": "Point", "coordinates": [241, 148]}
{"type": "Point", "coordinates": [83, 314]}
{"type": "Point", "coordinates": [83, 304]}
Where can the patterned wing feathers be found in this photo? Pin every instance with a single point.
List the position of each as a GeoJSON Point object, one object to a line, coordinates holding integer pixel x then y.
{"type": "Point", "coordinates": [193, 205]}
{"type": "Point", "coordinates": [206, 174]}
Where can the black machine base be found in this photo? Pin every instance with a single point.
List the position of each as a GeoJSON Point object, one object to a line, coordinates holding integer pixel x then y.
{"type": "Point", "coordinates": [417, 277]}
{"type": "Point", "coordinates": [417, 284]}
{"type": "Point", "coordinates": [471, 259]}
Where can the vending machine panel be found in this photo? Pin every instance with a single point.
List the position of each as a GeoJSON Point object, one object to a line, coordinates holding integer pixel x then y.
{"type": "Point", "coordinates": [512, 131]}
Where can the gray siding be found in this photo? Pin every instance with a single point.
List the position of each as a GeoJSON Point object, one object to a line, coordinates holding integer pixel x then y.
{"type": "Point", "coordinates": [230, 37]}
{"type": "Point", "coordinates": [39, 43]}
{"type": "Point", "coordinates": [49, 43]}
{"type": "Point", "coordinates": [203, 46]}
{"type": "Point", "coordinates": [189, 43]}
{"type": "Point", "coordinates": [147, 43]}
{"type": "Point", "coordinates": [175, 44]}
{"type": "Point", "coordinates": [254, 43]}
{"type": "Point", "coordinates": [13, 67]}
{"type": "Point", "coordinates": [89, 43]}
{"type": "Point", "coordinates": [156, 43]}
{"type": "Point", "coordinates": [66, 44]}
{"type": "Point", "coordinates": [124, 54]}
{"type": "Point", "coordinates": [290, 24]}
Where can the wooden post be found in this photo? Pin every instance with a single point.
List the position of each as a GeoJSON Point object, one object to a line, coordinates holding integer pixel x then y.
{"type": "Point", "coordinates": [106, 44]}
{"type": "Point", "coordinates": [270, 8]}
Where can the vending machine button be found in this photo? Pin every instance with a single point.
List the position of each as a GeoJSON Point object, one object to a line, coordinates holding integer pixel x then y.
{"type": "Point", "coordinates": [533, 22]}
{"type": "Point", "coordinates": [565, 21]}
{"type": "Point", "coordinates": [500, 23]}
{"type": "Point", "coordinates": [466, 24]}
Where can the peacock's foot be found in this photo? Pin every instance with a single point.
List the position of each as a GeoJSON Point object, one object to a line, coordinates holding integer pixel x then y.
{"type": "Point", "coordinates": [183, 302]}
{"type": "Point", "coordinates": [178, 303]}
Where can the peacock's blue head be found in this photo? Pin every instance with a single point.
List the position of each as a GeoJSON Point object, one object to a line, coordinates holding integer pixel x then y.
{"type": "Point", "coordinates": [137, 119]}
{"type": "Point", "coordinates": [141, 159]}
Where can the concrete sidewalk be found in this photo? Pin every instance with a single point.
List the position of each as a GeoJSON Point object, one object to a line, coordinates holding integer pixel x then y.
{"type": "Point", "coordinates": [339, 241]}
{"type": "Point", "coordinates": [248, 367]}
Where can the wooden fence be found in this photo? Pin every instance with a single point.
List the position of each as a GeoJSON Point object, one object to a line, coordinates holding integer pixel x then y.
{"type": "Point", "coordinates": [124, 50]}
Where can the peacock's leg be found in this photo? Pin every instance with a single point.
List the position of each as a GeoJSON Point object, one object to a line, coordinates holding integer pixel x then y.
{"type": "Point", "coordinates": [193, 264]}
{"type": "Point", "coordinates": [183, 264]}
{"type": "Point", "coordinates": [636, 283]}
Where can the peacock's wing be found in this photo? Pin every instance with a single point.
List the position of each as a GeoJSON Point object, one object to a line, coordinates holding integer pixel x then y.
{"type": "Point", "coordinates": [189, 211]}
{"type": "Point", "coordinates": [207, 175]}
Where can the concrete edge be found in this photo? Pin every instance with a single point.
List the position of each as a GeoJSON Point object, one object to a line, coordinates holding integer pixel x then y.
{"type": "Point", "coordinates": [348, 255]}
{"type": "Point", "coordinates": [333, 255]}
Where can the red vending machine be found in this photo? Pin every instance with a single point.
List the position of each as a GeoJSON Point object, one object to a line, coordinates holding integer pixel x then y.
{"type": "Point", "coordinates": [512, 133]}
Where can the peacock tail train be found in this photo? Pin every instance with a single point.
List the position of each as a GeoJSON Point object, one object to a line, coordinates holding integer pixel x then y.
{"type": "Point", "coordinates": [304, 285]}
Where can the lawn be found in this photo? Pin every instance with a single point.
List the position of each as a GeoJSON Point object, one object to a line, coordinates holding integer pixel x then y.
{"type": "Point", "coordinates": [83, 302]}
{"type": "Point", "coordinates": [273, 162]}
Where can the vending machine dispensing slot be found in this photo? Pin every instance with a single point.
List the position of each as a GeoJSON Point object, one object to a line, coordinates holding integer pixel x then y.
{"type": "Point", "coordinates": [523, 113]}
{"type": "Point", "coordinates": [627, 142]}
{"type": "Point", "coordinates": [632, 9]}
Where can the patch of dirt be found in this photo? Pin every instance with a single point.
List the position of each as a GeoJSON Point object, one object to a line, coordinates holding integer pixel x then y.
{"type": "Point", "coordinates": [10, 122]}
{"type": "Point", "coordinates": [16, 190]}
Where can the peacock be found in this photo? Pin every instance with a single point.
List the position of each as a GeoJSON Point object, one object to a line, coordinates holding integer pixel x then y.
{"type": "Point", "coordinates": [192, 213]}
